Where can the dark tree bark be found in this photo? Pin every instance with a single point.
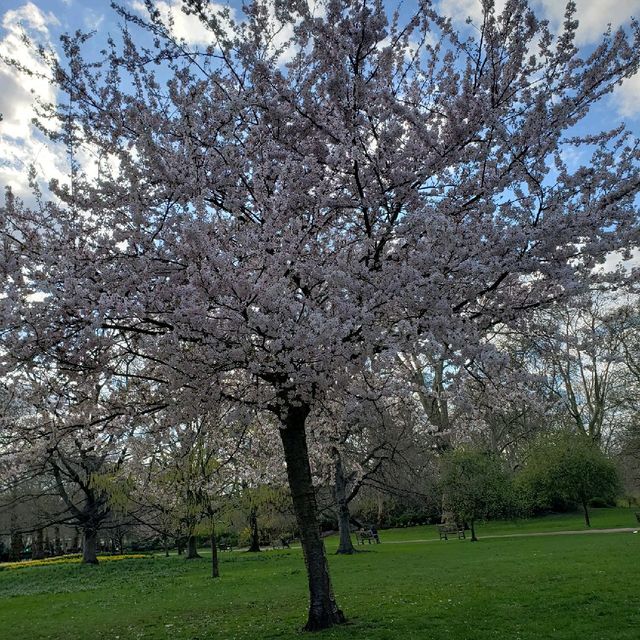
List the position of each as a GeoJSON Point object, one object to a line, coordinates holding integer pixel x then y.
{"type": "Point", "coordinates": [89, 546]}
{"type": "Point", "coordinates": [473, 531]}
{"type": "Point", "coordinates": [585, 508]}
{"type": "Point", "coordinates": [344, 517]}
{"type": "Point", "coordinates": [38, 545]}
{"type": "Point", "coordinates": [192, 549]}
{"type": "Point", "coordinates": [57, 543]}
{"type": "Point", "coordinates": [180, 545]}
{"type": "Point", "coordinates": [120, 536]}
{"type": "Point", "coordinates": [47, 544]}
{"type": "Point", "coordinates": [323, 610]}
{"type": "Point", "coordinates": [380, 515]}
{"type": "Point", "coordinates": [215, 565]}
{"type": "Point", "coordinates": [17, 547]}
{"type": "Point", "coordinates": [253, 527]}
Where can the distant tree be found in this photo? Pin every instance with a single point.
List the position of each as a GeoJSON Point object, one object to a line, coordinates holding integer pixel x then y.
{"type": "Point", "coordinates": [474, 485]}
{"type": "Point", "coordinates": [578, 351]}
{"type": "Point", "coordinates": [569, 468]}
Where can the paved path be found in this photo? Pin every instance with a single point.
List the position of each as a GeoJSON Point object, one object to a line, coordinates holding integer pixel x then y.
{"type": "Point", "coordinates": [526, 535]}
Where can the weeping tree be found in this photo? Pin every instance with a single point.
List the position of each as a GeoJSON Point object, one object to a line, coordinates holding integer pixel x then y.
{"type": "Point", "coordinates": [474, 485]}
{"type": "Point", "coordinates": [568, 469]}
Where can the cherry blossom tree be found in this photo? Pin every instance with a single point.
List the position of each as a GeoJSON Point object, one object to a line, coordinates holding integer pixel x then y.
{"type": "Point", "coordinates": [259, 225]}
{"type": "Point", "coordinates": [69, 440]}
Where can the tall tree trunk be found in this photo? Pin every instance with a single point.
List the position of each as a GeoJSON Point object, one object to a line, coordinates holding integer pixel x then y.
{"type": "Point", "coordinates": [253, 528]}
{"type": "Point", "coordinates": [323, 610]}
{"type": "Point", "coordinates": [47, 544]}
{"type": "Point", "coordinates": [585, 508]}
{"type": "Point", "coordinates": [344, 517]}
{"type": "Point", "coordinates": [89, 546]}
{"type": "Point", "coordinates": [215, 566]}
{"type": "Point", "coordinates": [192, 548]}
{"type": "Point", "coordinates": [17, 547]}
{"type": "Point", "coordinates": [165, 544]}
{"type": "Point", "coordinates": [57, 542]}
{"type": "Point", "coordinates": [380, 516]}
{"type": "Point", "coordinates": [121, 541]}
{"type": "Point", "coordinates": [38, 545]}
{"type": "Point", "coordinates": [473, 531]}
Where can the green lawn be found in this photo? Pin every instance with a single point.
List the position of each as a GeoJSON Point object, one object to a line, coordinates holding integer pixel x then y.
{"type": "Point", "coordinates": [569, 587]}
{"type": "Point", "coordinates": [600, 519]}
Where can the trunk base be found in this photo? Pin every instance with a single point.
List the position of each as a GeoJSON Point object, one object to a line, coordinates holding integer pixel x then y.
{"type": "Point", "coordinates": [323, 610]}
{"type": "Point", "coordinates": [192, 549]}
{"type": "Point", "coordinates": [319, 622]}
{"type": "Point", "coordinates": [90, 548]}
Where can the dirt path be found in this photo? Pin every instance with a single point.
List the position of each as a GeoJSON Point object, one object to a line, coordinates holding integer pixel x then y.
{"type": "Point", "coordinates": [527, 535]}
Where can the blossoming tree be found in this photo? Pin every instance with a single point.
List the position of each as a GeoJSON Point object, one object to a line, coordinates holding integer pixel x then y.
{"type": "Point", "coordinates": [266, 216]}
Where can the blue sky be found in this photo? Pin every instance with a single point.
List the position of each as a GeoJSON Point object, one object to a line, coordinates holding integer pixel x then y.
{"type": "Point", "coordinates": [21, 144]}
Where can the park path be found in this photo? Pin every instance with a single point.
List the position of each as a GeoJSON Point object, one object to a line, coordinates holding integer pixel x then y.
{"type": "Point", "coordinates": [528, 535]}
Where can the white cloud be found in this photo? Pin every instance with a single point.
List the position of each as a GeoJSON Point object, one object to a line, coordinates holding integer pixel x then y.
{"type": "Point", "coordinates": [187, 27]}
{"type": "Point", "coordinates": [191, 29]}
{"type": "Point", "coordinates": [93, 20]}
{"type": "Point", "coordinates": [593, 15]}
{"type": "Point", "coordinates": [627, 97]}
{"type": "Point", "coordinates": [20, 143]}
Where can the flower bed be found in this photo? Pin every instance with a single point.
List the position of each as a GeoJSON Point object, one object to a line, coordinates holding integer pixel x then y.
{"type": "Point", "coordinates": [75, 558]}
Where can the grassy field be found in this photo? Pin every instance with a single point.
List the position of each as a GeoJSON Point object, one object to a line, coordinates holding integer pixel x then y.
{"type": "Point", "coordinates": [615, 518]}
{"type": "Point", "coordinates": [564, 587]}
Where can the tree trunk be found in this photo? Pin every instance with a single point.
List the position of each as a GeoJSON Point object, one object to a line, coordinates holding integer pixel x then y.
{"type": "Point", "coordinates": [38, 546]}
{"type": "Point", "coordinates": [17, 547]}
{"type": "Point", "coordinates": [121, 542]}
{"type": "Point", "coordinates": [180, 545]}
{"type": "Point", "coordinates": [344, 518]}
{"type": "Point", "coordinates": [473, 531]}
{"type": "Point", "coordinates": [89, 546]}
{"type": "Point", "coordinates": [47, 544]}
{"type": "Point", "coordinates": [253, 527]}
{"type": "Point", "coordinates": [585, 508]}
{"type": "Point", "coordinates": [215, 566]}
{"type": "Point", "coordinates": [57, 542]}
{"type": "Point", "coordinates": [165, 544]}
{"type": "Point", "coordinates": [192, 549]}
{"type": "Point", "coordinates": [323, 610]}
{"type": "Point", "coordinates": [380, 516]}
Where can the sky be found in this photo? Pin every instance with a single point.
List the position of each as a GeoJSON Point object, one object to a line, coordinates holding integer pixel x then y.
{"type": "Point", "coordinates": [22, 145]}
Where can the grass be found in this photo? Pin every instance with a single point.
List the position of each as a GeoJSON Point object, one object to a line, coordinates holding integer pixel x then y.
{"type": "Point", "coordinates": [614, 518]}
{"type": "Point", "coordinates": [525, 588]}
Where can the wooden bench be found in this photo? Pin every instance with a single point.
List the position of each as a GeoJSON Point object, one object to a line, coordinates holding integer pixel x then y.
{"type": "Point", "coordinates": [447, 528]}
{"type": "Point", "coordinates": [367, 535]}
{"type": "Point", "coordinates": [282, 543]}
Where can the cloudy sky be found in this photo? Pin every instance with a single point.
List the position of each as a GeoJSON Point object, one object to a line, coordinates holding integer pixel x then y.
{"type": "Point", "coordinates": [45, 20]}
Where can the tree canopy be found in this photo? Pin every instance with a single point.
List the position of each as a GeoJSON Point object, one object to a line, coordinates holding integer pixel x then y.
{"type": "Point", "coordinates": [257, 231]}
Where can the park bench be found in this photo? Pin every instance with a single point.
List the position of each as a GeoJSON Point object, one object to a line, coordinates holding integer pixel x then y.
{"type": "Point", "coordinates": [224, 546]}
{"type": "Point", "coordinates": [282, 543]}
{"type": "Point", "coordinates": [447, 528]}
{"type": "Point", "coordinates": [367, 535]}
